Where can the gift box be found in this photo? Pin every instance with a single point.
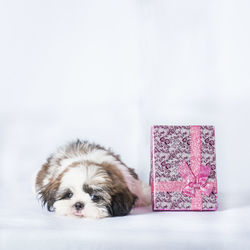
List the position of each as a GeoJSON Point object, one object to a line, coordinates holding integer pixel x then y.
{"type": "Point", "coordinates": [183, 168]}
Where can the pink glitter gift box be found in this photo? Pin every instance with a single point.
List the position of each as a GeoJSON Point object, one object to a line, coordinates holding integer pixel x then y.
{"type": "Point", "coordinates": [183, 168]}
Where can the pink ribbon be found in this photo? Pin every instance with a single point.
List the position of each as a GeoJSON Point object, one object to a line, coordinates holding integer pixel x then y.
{"type": "Point", "coordinates": [195, 182]}
{"type": "Point", "coordinates": [195, 177]}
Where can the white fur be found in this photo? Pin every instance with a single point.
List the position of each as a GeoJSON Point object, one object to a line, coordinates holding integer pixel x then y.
{"type": "Point", "coordinates": [74, 180]}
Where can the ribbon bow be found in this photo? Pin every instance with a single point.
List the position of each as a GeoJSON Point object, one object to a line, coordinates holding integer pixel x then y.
{"type": "Point", "coordinates": [193, 183]}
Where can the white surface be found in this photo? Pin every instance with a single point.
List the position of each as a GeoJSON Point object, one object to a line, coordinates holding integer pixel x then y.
{"type": "Point", "coordinates": [106, 71]}
{"type": "Point", "coordinates": [30, 228]}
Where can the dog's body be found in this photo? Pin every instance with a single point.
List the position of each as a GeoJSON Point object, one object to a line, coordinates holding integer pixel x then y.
{"type": "Point", "coordinates": [86, 180]}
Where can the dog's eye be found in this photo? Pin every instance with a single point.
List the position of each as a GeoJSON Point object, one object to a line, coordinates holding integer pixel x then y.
{"type": "Point", "coordinates": [95, 197]}
{"type": "Point", "coordinates": [67, 195]}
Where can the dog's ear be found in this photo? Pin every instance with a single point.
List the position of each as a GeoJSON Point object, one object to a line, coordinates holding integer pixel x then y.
{"type": "Point", "coordinates": [48, 195]}
{"type": "Point", "coordinates": [122, 202]}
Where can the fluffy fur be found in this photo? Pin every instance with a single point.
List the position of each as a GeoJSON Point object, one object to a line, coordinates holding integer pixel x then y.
{"type": "Point", "coordinates": [86, 180]}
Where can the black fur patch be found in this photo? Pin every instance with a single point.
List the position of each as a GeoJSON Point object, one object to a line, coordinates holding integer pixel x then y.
{"type": "Point", "coordinates": [86, 188]}
{"type": "Point", "coordinates": [48, 197]}
{"type": "Point", "coordinates": [122, 203]}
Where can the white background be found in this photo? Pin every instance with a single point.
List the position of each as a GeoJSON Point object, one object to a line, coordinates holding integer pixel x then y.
{"type": "Point", "coordinates": [106, 71]}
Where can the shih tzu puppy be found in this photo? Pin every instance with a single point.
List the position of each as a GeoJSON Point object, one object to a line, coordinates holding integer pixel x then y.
{"type": "Point", "coordinates": [86, 180]}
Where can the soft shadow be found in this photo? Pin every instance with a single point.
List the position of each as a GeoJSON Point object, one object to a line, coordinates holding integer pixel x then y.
{"type": "Point", "coordinates": [141, 210]}
{"type": "Point", "coordinates": [228, 201]}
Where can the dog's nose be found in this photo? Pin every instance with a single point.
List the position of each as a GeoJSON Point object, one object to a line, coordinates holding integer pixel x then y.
{"type": "Point", "coordinates": [79, 206]}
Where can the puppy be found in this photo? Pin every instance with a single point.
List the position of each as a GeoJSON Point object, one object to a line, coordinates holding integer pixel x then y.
{"type": "Point", "coordinates": [88, 181]}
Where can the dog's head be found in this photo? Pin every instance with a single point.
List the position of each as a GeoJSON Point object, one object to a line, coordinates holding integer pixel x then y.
{"type": "Point", "coordinates": [88, 190]}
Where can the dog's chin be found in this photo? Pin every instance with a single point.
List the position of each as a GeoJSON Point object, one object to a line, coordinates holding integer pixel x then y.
{"type": "Point", "coordinates": [78, 214]}
{"type": "Point", "coordinates": [84, 214]}
{"type": "Point", "coordinates": [89, 211]}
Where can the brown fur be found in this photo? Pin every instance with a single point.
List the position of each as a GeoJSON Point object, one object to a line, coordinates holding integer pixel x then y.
{"type": "Point", "coordinates": [122, 199]}
{"type": "Point", "coordinates": [41, 175]}
{"type": "Point", "coordinates": [133, 173]}
{"type": "Point", "coordinates": [48, 192]}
